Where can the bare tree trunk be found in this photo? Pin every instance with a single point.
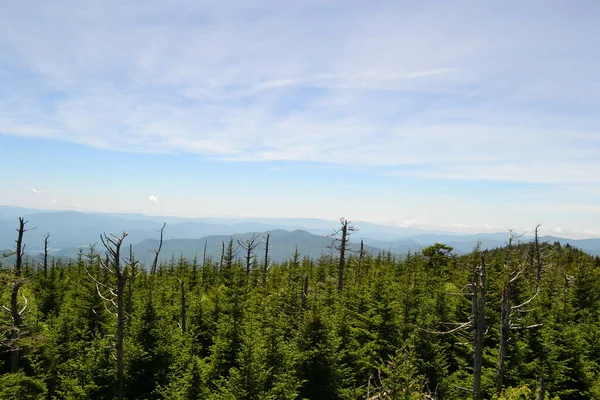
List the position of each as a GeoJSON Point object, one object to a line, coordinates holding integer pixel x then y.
{"type": "Point", "coordinates": [542, 390]}
{"type": "Point", "coordinates": [248, 257]}
{"type": "Point", "coordinates": [507, 309]}
{"type": "Point", "coordinates": [120, 330]}
{"type": "Point", "coordinates": [266, 261]}
{"type": "Point", "coordinates": [14, 297]}
{"type": "Point", "coordinates": [504, 334]}
{"type": "Point", "coordinates": [504, 317]}
{"type": "Point", "coordinates": [46, 242]}
{"type": "Point", "coordinates": [478, 311]}
{"type": "Point", "coordinates": [342, 264]}
{"type": "Point", "coordinates": [249, 245]}
{"type": "Point", "coordinates": [113, 265]}
{"type": "Point", "coordinates": [361, 256]}
{"type": "Point", "coordinates": [157, 252]}
{"type": "Point", "coordinates": [340, 243]}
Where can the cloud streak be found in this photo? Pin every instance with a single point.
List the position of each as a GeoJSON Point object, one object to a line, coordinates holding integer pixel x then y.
{"type": "Point", "coordinates": [451, 92]}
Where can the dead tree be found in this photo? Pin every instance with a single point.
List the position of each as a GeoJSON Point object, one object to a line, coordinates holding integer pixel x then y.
{"type": "Point", "coordinates": [361, 257]}
{"type": "Point", "coordinates": [340, 243]}
{"type": "Point", "coordinates": [113, 293]}
{"type": "Point", "coordinates": [476, 320]}
{"type": "Point", "coordinates": [266, 260]}
{"type": "Point", "coordinates": [509, 313]}
{"type": "Point", "coordinates": [46, 251]}
{"type": "Point", "coordinates": [157, 251]}
{"type": "Point", "coordinates": [16, 311]}
{"type": "Point", "coordinates": [478, 315]}
{"type": "Point", "coordinates": [249, 245]}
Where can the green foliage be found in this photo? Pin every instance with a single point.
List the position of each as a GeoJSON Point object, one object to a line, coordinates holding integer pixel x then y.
{"type": "Point", "coordinates": [19, 386]}
{"type": "Point", "coordinates": [382, 335]}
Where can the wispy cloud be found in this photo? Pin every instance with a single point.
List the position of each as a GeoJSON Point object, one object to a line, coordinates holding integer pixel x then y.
{"type": "Point", "coordinates": [446, 92]}
{"type": "Point", "coordinates": [41, 193]}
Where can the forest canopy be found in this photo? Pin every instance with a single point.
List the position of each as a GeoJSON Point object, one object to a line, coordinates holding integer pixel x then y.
{"type": "Point", "coordinates": [518, 322]}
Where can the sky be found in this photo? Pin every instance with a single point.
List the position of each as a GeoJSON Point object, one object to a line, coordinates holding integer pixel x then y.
{"type": "Point", "coordinates": [471, 116]}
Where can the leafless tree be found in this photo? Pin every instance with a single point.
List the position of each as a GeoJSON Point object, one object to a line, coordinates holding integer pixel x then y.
{"type": "Point", "coordinates": [113, 293]}
{"type": "Point", "coordinates": [477, 319]}
{"type": "Point", "coordinates": [478, 314]}
{"type": "Point", "coordinates": [509, 313]}
{"type": "Point", "coordinates": [16, 310]}
{"type": "Point", "coordinates": [361, 257]}
{"type": "Point", "coordinates": [340, 243]}
{"type": "Point", "coordinates": [46, 252]}
{"type": "Point", "coordinates": [266, 262]}
{"type": "Point", "coordinates": [249, 245]}
{"type": "Point", "coordinates": [157, 251]}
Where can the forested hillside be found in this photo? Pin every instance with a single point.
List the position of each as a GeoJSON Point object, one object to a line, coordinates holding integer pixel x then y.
{"type": "Point", "coordinates": [519, 322]}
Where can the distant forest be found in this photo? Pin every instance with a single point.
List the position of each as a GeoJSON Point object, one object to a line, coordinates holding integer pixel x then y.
{"type": "Point", "coordinates": [518, 322]}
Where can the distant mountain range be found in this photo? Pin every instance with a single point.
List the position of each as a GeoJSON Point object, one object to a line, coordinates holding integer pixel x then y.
{"type": "Point", "coordinates": [69, 231]}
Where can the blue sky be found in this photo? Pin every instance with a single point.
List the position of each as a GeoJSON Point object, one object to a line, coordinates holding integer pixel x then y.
{"type": "Point", "coordinates": [470, 116]}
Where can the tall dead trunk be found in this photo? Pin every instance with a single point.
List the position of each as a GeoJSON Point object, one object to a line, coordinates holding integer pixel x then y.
{"type": "Point", "coordinates": [46, 251]}
{"type": "Point", "coordinates": [120, 328]}
{"type": "Point", "coordinates": [266, 261]}
{"type": "Point", "coordinates": [340, 243]}
{"type": "Point", "coordinates": [111, 266]}
{"type": "Point", "coordinates": [504, 316]}
{"type": "Point", "coordinates": [14, 297]}
{"type": "Point", "coordinates": [478, 312]}
{"type": "Point", "coordinates": [342, 263]}
{"type": "Point", "coordinates": [157, 251]}
{"type": "Point", "coordinates": [249, 245]}
{"type": "Point", "coordinates": [504, 334]}
{"type": "Point", "coordinates": [542, 389]}
{"type": "Point", "coordinates": [507, 309]}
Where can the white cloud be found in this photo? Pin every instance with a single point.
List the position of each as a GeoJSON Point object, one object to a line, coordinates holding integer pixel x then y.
{"type": "Point", "coordinates": [452, 92]}
{"type": "Point", "coordinates": [153, 200]}
{"type": "Point", "coordinates": [36, 191]}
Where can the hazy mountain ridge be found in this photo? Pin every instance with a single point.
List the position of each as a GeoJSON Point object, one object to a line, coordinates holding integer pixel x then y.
{"type": "Point", "coordinates": [71, 230]}
{"type": "Point", "coordinates": [282, 244]}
